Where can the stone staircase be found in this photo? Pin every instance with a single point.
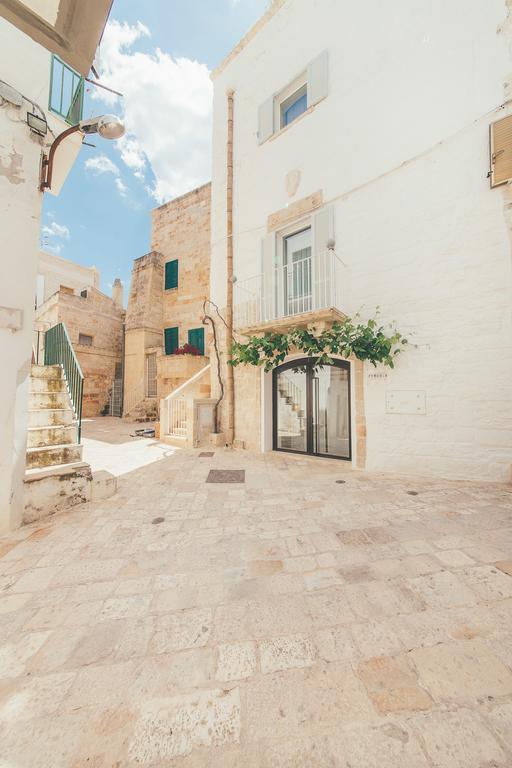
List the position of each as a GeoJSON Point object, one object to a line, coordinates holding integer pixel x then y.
{"type": "Point", "coordinates": [52, 430]}
{"type": "Point", "coordinates": [186, 414]}
{"type": "Point", "coordinates": [146, 410]}
{"type": "Point", "coordinates": [55, 476]}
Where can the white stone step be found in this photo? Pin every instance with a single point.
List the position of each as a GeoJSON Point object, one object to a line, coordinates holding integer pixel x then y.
{"type": "Point", "coordinates": [48, 385]}
{"type": "Point", "coordinates": [49, 456]}
{"type": "Point", "coordinates": [55, 488]}
{"type": "Point", "coordinates": [38, 437]}
{"type": "Point", "coordinates": [48, 400]}
{"type": "Point", "coordinates": [51, 417]}
{"type": "Point", "coordinates": [46, 371]}
{"type": "Point", "coordinates": [56, 469]}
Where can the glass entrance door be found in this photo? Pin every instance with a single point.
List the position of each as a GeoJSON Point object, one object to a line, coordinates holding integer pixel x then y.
{"type": "Point", "coordinates": [331, 428]}
{"type": "Point", "coordinates": [311, 409]}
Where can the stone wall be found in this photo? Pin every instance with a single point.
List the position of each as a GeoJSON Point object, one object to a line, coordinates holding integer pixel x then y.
{"type": "Point", "coordinates": [247, 417]}
{"type": "Point", "coordinates": [174, 370]}
{"type": "Point", "coordinates": [143, 324]}
{"type": "Point", "coordinates": [145, 299]}
{"type": "Point", "coordinates": [181, 230]}
{"type": "Point", "coordinates": [95, 315]}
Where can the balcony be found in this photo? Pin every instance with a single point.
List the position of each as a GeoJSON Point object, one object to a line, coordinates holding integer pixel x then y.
{"type": "Point", "coordinates": [66, 92]}
{"type": "Point", "coordinates": [293, 294]}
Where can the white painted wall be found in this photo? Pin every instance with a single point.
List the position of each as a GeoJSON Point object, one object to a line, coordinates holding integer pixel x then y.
{"type": "Point", "coordinates": [25, 66]}
{"type": "Point", "coordinates": [400, 148]}
{"type": "Point", "coordinates": [54, 271]}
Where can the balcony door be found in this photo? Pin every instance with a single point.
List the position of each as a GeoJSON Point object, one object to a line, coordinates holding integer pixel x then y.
{"type": "Point", "coordinates": [311, 409]}
{"type": "Point", "coordinates": [297, 273]}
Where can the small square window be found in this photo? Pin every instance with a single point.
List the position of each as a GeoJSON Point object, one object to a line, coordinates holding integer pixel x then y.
{"type": "Point", "coordinates": [300, 95]}
{"type": "Point", "coordinates": [293, 106]}
{"type": "Point", "coordinates": [85, 340]}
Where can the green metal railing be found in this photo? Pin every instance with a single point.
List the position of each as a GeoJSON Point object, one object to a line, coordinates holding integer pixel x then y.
{"type": "Point", "coordinates": [58, 350]}
{"type": "Point", "coordinates": [66, 91]}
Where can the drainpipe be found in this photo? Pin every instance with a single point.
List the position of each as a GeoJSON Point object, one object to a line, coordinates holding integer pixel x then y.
{"type": "Point", "coordinates": [230, 374]}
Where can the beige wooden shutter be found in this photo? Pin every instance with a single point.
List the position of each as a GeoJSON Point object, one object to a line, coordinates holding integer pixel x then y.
{"type": "Point", "coordinates": [501, 151]}
{"type": "Point", "coordinates": [266, 120]}
{"type": "Point", "coordinates": [323, 277]}
{"type": "Point", "coordinates": [268, 277]}
{"type": "Point", "coordinates": [323, 228]}
{"type": "Point", "coordinates": [318, 78]}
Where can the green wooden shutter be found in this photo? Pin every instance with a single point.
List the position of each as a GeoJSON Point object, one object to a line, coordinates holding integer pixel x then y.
{"type": "Point", "coordinates": [196, 338]}
{"type": "Point", "coordinates": [171, 274]}
{"type": "Point", "coordinates": [171, 340]}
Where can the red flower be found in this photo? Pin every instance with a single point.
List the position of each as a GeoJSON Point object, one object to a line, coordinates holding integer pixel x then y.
{"type": "Point", "coordinates": [187, 349]}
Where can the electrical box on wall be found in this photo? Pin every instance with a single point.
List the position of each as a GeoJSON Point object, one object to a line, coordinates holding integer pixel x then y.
{"type": "Point", "coordinates": [406, 401]}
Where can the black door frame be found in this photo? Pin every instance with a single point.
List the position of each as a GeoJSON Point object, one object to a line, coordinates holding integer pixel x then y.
{"type": "Point", "coordinates": [307, 363]}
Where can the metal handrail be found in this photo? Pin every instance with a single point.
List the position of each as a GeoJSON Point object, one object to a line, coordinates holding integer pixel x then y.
{"type": "Point", "coordinates": [134, 396]}
{"type": "Point", "coordinates": [58, 350]}
{"type": "Point", "coordinates": [175, 409]}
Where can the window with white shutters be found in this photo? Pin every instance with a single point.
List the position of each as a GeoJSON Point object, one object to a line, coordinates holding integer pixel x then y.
{"type": "Point", "coordinates": [285, 106]}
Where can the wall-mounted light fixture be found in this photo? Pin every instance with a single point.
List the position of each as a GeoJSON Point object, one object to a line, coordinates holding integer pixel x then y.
{"type": "Point", "coordinates": [37, 124]}
{"type": "Point", "coordinates": [108, 126]}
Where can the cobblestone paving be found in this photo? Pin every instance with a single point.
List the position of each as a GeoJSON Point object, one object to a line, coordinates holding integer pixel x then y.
{"type": "Point", "coordinates": [287, 621]}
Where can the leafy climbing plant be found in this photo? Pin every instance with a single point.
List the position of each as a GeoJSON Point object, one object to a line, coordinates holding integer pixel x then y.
{"type": "Point", "coordinates": [366, 341]}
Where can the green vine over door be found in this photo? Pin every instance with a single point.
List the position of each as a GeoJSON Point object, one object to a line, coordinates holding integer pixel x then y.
{"type": "Point", "coordinates": [366, 341]}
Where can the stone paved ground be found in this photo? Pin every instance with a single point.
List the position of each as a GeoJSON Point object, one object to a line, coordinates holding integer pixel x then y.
{"type": "Point", "coordinates": [289, 621]}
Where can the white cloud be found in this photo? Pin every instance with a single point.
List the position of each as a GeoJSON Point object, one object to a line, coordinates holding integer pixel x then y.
{"type": "Point", "coordinates": [101, 164]}
{"type": "Point", "coordinates": [131, 153]}
{"type": "Point", "coordinates": [122, 188]}
{"type": "Point", "coordinates": [55, 230]}
{"type": "Point", "coordinates": [56, 248]}
{"type": "Point", "coordinates": [168, 107]}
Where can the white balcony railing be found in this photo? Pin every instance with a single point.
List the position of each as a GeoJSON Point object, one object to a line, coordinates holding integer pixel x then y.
{"type": "Point", "coordinates": [302, 286]}
{"type": "Point", "coordinates": [176, 409]}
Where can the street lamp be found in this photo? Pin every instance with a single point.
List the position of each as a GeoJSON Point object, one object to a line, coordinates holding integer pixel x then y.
{"type": "Point", "coordinates": [108, 126]}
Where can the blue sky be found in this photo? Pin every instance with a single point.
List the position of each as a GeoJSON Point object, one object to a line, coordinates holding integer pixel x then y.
{"type": "Point", "coordinates": [158, 54]}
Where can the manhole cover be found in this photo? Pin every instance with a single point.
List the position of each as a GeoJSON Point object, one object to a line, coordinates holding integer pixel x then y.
{"type": "Point", "coordinates": [206, 454]}
{"type": "Point", "coordinates": [226, 476]}
{"type": "Point", "coordinates": [158, 520]}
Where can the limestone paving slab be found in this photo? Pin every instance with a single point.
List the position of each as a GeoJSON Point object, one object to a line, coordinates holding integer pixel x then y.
{"type": "Point", "coordinates": [466, 671]}
{"type": "Point", "coordinates": [285, 621]}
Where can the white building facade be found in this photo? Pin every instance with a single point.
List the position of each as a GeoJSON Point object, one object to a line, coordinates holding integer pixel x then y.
{"type": "Point", "coordinates": [54, 272]}
{"type": "Point", "coordinates": [37, 87]}
{"type": "Point", "coordinates": [361, 160]}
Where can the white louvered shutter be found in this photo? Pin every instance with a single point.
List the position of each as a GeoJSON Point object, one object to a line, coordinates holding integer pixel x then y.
{"type": "Point", "coordinates": [318, 78]}
{"type": "Point", "coordinates": [268, 277]}
{"type": "Point", "coordinates": [323, 274]}
{"type": "Point", "coordinates": [266, 120]}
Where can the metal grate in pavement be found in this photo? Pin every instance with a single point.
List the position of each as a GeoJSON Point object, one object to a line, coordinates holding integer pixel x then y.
{"type": "Point", "coordinates": [226, 476]}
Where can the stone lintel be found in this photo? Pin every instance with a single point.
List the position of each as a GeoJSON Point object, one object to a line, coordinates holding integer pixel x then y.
{"type": "Point", "coordinates": [295, 211]}
{"type": "Point", "coordinates": [321, 318]}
